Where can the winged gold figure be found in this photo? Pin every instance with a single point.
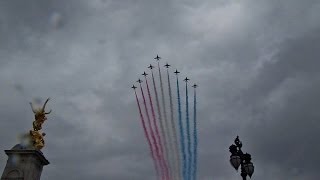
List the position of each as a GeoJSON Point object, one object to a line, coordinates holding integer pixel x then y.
{"type": "Point", "coordinates": [40, 117]}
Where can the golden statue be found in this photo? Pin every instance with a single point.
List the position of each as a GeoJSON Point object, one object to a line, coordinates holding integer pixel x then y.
{"type": "Point", "coordinates": [37, 139]}
{"type": "Point", "coordinates": [40, 117]}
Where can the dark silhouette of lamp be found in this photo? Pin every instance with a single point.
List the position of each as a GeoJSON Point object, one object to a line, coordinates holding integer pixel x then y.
{"type": "Point", "coordinates": [238, 158]}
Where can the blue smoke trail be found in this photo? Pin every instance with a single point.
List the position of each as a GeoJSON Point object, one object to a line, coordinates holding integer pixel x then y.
{"type": "Point", "coordinates": [188, 134]}
{"type": "Point", "coordinates": [195, 136]}
{"type": "Point", "coordinates": [183, 151]}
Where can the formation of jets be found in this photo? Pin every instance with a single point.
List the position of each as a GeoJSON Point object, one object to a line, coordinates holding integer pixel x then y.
{"type": "Point", "coordinates": [167, 66]}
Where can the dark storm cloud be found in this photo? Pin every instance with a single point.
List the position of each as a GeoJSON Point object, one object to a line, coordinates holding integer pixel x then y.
{"type": "Point", "coordinates": [22, 19]}
{"type": "Point", "coordinates": [256, 64]}
{"type": "Point", "coordinates": [288, 100]}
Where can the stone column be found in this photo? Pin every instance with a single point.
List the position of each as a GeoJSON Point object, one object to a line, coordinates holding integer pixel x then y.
{"type": "Point", "coordinates": [23, 164]}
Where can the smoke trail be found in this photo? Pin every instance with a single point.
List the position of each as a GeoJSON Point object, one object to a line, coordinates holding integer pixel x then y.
{"type": "Point", "coordinates": [183, 151]}
{"type": "Point", "coordinates": [188, 134]}
{"type": "Point", "coordinates": [161, 125]}
{"type": "Point", "coordinates": [162, 161]}
{"type": "Point", "coordinates": [147, 136]}
{"type": "Point", "coordinates": [176, 147]}
{"type": "Point", "coordinates": [166, 122]}
{"type": "Point", "coordinates": [155, 145]}
{"type": "Point", "coordinates": [195, 136]}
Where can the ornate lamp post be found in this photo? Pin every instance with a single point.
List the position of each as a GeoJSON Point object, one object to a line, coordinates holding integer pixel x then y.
{"type": "Point", "coordinates": [238, 158]}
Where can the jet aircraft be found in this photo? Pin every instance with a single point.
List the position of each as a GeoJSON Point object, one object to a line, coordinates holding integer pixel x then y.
{"type": "Point", "coordinates": [151, 67]}
{"type": "Point", "coordinates": [139, 81]}
{"type": "Point", "coordinates": [186, 79]}
{"type": "Point", "coordinates": [145, 74]}
{"type": "Point", "coordinates": [167, 65]}
{"type": "Point", "coordinates": [157, 58]}
{"type": "Point", "coordinates": [133, 87]}
{"type": "Point", "coordinates": [176, 72]}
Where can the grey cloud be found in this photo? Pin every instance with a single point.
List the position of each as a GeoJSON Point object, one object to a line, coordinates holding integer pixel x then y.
{"type": "Point", "coordinates": [255, 62]}
{"type": "Point", "coordinates": [288, 122]}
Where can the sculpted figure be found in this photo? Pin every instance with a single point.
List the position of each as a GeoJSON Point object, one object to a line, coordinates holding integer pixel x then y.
{"type": "Point", "coordinates": [40, 117]}
{"type": "Point", "coordinates": [37, 139]}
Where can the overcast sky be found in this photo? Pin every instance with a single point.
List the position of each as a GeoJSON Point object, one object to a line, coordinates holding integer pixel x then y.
{"type": "Point", "coordinates": [256, 63]}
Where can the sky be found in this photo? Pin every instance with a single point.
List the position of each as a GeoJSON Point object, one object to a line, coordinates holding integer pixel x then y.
{"type": "Point", "coordinates": [256, 64]}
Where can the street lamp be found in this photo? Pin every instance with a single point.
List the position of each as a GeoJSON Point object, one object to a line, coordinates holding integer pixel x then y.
{"type": "Point", "coordinates": [238, 158]}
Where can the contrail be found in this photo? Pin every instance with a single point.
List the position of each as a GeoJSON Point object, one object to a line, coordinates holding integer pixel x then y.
{"type": "Point", "coordinates": [162, 161]}
{"type": "Point", "coordinates": [155, 145]}
{"type": "Point", "coordinates": [173, 126]}
{"type": "Point", "coordinates": [147, 136]}
{"type": "Point", "coordinates": [183, 151]}
{"type": "Point", "coordinates": [188, 134]}
{"type": "Point", "coordinates": [166, 122]}
{"type": "Point", "coordinates": [161, 126]}
{"type": "Point", "coordinates": [195, 135]}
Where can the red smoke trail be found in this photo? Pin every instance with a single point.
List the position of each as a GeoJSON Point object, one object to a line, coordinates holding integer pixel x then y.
{"type": "Point", "coordinates": [157, 133]}
{"type": "Point", "coordinates": [155, 145]}
{"type": "Point", "coordinates": [164, 138]}
{"type": "Point", "coordinates": [147, 135]}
